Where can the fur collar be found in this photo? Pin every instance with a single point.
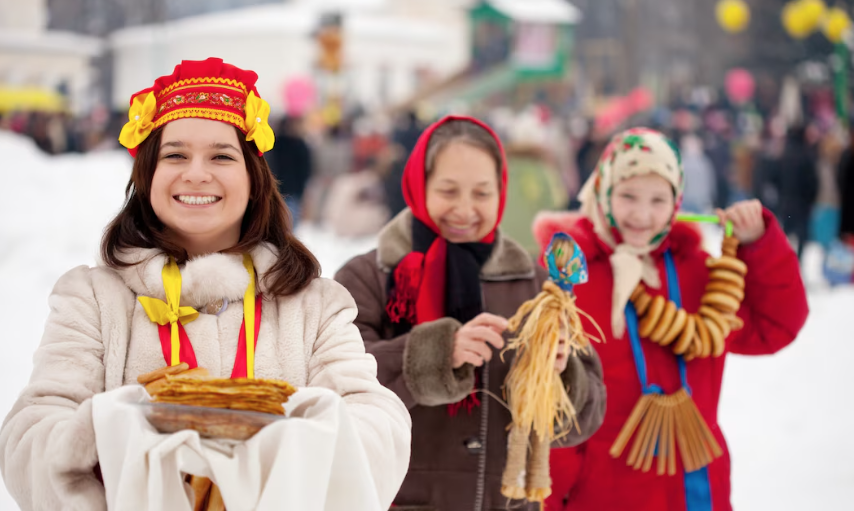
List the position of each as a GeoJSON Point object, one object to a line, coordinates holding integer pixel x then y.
{"type": "Point", "coordinates": [684, 238]}
{"type": "Point", "coordinates": [203, 279]}
{"type": "Point", "coordinates": [509, 261]}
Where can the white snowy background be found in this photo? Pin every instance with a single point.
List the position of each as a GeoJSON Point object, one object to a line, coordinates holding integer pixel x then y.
{"type": "Point", "coordinates": [788, 417]}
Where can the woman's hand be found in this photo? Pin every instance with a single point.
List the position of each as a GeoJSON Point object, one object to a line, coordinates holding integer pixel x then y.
{"type": "Point", "coordinates": [747, 222]}
{"type": "Point", "coordinates": [472, 341]}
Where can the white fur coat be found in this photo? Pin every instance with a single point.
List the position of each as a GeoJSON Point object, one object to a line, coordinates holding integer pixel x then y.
{"type": "Point", "coordinates": [98, 338]}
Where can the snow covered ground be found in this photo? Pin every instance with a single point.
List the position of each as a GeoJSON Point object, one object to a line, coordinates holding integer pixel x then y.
{"type": "Point", "coordinates": [785, 417]}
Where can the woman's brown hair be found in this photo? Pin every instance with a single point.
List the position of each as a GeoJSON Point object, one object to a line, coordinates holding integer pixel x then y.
{"type": "Point", "coordinates": [266, 219]}
{"type": "Point", "coordinates": [460, 130]}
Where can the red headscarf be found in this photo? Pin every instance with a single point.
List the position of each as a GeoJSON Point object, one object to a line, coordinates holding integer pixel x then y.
{"type": "Point", "coordinates": [420, 276]}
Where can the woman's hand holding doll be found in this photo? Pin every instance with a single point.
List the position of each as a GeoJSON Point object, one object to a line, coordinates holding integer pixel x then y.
{"type": "Point", "coordinates": [472, 342]}
{"type": "Point", "coordinates": [747, 222]}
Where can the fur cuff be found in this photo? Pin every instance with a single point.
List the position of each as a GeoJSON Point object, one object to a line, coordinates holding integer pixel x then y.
{"type": "Point", "coordinates": [72, 470]}
{"type": "Point", "coordinates": [427, 365]}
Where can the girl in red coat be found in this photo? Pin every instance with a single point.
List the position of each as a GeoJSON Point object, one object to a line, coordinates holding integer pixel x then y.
{"type": "Point", "coordinates": [628, 232]}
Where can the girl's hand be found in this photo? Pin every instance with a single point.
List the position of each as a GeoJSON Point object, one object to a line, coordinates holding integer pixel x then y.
{"type": "Point", "coordinates": [472, 341]}
{"type": "Point", "coordinates": [746, 217]}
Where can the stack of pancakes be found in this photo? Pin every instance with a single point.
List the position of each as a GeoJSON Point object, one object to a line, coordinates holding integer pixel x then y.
{"type": "Point", "coordinates": [211, 398]}
{"type": "Point", "coordinates": [180, 385]}
{"type": "Point", "coordinates": [265, 396]}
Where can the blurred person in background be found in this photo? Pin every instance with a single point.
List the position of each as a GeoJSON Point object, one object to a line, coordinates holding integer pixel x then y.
{"type": "Point", "coordinates": [576, 135]}
{"type": "Point", "coordinates": [716, 142]}
{"type": "Point", "coordinates": [767, 174]}
{"type": "Point", "coordinates": [355, 204]}
{"type": "Point", "coordinates": [333, 157]}
{"type": "Point", "coordinates": [403, 138]}
{"type": "Point", "coordinates": [845, 180]}
{"type": "Point", "coordinates": [38, 131]}
{"type": "Point", "coordinates": [291, 163]}
{"type": "Point", "coordinates": [824, 222]}
{"type": "Point", "coordinates": [57, 134]}
{"type": "Point", "coordinates": [700, 185]}
{"type": "Point", "coordinates": [798, 186]}
{"type": "Point", "coordinates": [20, 122]}
{"type": "Point", "coordinates": [745, 156]}
{"type": "Point", "coordinates": [591, 146]}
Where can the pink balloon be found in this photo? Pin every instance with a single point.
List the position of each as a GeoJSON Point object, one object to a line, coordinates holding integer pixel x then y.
{"type": "Point", "coordinates": [739, 85]}
{"type": "Point", "coordinates": [300, 95]}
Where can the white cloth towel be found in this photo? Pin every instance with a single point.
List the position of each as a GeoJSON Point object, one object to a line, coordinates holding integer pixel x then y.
{"type": "Point", "coordinates": [312, 460]}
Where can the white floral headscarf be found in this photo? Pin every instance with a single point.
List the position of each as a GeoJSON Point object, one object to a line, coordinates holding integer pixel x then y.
{"type": "Point", "coordinates": [634, 152]}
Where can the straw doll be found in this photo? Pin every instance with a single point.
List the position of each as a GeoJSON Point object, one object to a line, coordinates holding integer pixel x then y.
{"type": "Point", "coordinates": [545, 326]}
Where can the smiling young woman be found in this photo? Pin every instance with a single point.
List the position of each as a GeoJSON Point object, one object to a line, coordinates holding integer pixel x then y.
{"type": "Point", "coordinates": [201, 250]}
{"type": "Point", "coordinates": [198, 157]}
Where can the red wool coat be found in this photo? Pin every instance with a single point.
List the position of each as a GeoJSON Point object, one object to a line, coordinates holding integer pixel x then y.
{"type": "Point", "coordinates": [774, 310]}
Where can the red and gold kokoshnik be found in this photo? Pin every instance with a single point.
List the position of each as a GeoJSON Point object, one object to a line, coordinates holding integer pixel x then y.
{"type": "Point", "coordinates": [209, 89]}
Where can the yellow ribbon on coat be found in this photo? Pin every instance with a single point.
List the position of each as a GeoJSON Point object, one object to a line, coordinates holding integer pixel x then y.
{"type": "Point", "coordinates": [170, 312]}
{"type": "Point", "coordinates": [249, 316]}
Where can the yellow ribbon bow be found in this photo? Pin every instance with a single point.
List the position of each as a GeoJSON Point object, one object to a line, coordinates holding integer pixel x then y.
{"type": "Point", "coordinates": [171, 311]}
{"type": "Point", "coordinates": [257, 123]}
{"type": "Point", "coordinates": [140, 117]}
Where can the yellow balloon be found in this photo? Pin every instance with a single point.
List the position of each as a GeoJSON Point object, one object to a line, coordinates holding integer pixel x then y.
{"type": "Point", "coordinates": [733, 15]}
{"type": "Point", "coordinates": [836, 24]}
{"type": "Point", "coordinates": [812, 13]}
{"type": "Point", "coordinates": [794, 20]}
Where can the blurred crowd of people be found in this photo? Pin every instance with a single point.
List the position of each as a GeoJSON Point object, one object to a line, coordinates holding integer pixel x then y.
{"type": "Point", "coordinates": [60, 132]}
{"type": "Point", "coordinates": [347, 176]}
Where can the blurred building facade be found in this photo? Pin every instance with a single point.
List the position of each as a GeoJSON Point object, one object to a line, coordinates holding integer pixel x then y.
{"type": "Point", "coordinates": [389, 47]}
{"type": "Point", "coordinates": [43, 69]}
{"type": "Point", "coordinates": [393, 47]}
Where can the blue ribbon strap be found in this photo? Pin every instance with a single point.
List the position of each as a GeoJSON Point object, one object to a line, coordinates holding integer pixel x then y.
{"type": "Point", "coordinates": [698, 491]}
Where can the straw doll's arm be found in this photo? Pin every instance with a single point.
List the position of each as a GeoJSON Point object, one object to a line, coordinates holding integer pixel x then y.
{"type": "Point", "coordinates": [416, 366]}
{"type": "Point", "coordinates": [583, 380]}
{"type": "Point", "coordinates": [48, 438]}
{"type": "Point", "coordinates": [775, 302]}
